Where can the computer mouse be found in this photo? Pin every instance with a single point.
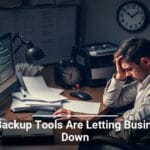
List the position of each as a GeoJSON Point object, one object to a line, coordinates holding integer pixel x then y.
{"type": "Point", "coordinates": [81, 95]}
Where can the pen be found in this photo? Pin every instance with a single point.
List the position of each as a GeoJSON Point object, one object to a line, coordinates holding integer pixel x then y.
{"type": "Point", "coordinates": [22, 92]}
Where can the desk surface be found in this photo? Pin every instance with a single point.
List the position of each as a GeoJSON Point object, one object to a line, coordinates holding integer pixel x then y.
{"type": "Point", "coordinates": [95, 92]}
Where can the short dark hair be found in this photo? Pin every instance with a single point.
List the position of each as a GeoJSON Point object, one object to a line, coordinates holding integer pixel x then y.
{"type": "Point", "coordinates": [133, 49]}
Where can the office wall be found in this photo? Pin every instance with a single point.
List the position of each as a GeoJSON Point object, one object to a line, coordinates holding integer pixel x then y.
{"type": "Point", "coordinates": [101, 24]}
{"type": "Point", "coordinates": [52, 28]}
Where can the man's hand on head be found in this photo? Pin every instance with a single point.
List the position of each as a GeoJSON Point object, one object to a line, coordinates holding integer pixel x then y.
{"type": "Point", "coordinates": [120, 74]}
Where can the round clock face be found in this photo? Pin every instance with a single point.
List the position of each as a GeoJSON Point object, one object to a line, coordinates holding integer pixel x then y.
{"type": "Point", "coordinates": [71, 75]}
{"type": "Point", "coordinates": [131, 16]}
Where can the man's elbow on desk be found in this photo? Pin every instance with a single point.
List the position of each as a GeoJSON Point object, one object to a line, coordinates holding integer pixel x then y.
{"type": "Point", "coordinates": [109, 103]}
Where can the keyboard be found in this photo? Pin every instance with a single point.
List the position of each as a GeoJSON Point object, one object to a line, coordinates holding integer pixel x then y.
{"type": "Point", "coordinates": [43, 115]}
{"type": "Point", "coordinates": [33, 136]}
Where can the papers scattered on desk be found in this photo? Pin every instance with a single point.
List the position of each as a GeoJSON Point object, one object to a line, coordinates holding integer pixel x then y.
{"type": "Point", "coordinates": [29, 97]}
{"type": "Point", "coordinates": [37, 97]}
{"type": "Point", "coordinates": [41, 97]}
{"type": "Point", "coordinates": [82, 107]}
{"type": "Point", "coordinates": [37, 87]}
{"type": "Point", "coordinates": [55, 90]}
{"type": "Point", "coordinates": [33, 106]}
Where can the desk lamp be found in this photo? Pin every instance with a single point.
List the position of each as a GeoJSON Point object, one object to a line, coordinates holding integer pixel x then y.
{"type": "Point", "coordinates": [32, 53]}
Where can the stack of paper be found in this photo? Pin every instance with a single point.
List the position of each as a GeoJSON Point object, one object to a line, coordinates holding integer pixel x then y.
{"type": "Point", "coordinates": [28, 97]}
{"type": "Point", "coordinates": [33, 106]}
{"type": "Point", "coordinates": [37, 97]}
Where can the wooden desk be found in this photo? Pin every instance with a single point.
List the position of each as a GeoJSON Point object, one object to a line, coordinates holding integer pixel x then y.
{"type": "Point", "coordinates": [95, 92]}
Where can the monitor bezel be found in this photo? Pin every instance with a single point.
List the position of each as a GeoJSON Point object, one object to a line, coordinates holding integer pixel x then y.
{"type": "Point", "coordinates": [8, 35]}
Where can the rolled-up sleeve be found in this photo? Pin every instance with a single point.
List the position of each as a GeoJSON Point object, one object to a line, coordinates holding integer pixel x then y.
{"type": "Point", "coordinates": [117, 93]}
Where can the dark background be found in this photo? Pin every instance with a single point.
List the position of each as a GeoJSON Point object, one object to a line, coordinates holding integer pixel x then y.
{"type": "Point", "coordinates": [56, 25]}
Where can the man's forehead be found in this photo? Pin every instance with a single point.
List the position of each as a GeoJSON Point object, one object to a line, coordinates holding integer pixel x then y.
{"type": "Point", "coordinates": [125, 64]}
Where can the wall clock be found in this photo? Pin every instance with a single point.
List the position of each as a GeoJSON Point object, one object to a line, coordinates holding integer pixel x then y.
{"type": "Point", "coordinates": [132, 16]}
{"type": "Point", "coordinates": [67, 74]}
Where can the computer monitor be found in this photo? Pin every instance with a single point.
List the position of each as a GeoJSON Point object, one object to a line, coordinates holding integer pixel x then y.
{"type": "Point", "coordinates": [8, 77]}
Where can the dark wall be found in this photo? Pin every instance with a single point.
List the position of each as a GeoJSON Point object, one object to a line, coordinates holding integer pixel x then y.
{"type": "Point", "coordinates": [101, 24]}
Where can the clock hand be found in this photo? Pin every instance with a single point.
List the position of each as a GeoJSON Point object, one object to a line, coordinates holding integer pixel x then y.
{"type": "Point", "coordinates": [129, 14]}
{"type": "Point", "coordinates": [69, 74]}
{"type": "Point", "coordinates": [134, 14]}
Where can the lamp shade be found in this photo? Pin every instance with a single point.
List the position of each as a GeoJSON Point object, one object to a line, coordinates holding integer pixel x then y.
{"type": "Point", "coordinates": [33, 53]}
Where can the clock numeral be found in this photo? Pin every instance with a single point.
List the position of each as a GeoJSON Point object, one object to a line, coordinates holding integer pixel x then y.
{"type": "Point", "coordinates": [141, 12]}
{"type": "Point", "coordinates": [124, 10]}
{"type": "Point", "coordinates": [133, 6]}
{"type": "Point", "coordinates": [138, 8]}
{"type": "Point", "coordinates": [121, 15]}
{"type": "Point", "coordinates": [128, 6]}
{"type": "Point", "coordinates": [122, 20]}
{"type": "Point", "coordinates": [130, 26]}
{"type": "Point", "coordinates": [140, 23]}
{"type": "Point", "coordinates": [142, 18]}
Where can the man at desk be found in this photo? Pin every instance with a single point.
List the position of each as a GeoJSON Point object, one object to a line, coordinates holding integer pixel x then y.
{"type": "Point", "coordinates": [132, 59]}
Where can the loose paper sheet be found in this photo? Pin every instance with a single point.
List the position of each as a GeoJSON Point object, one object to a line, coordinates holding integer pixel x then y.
{"type": "Point", "coordinates": [37, 87]}
{"type": "Point", "coordinates": [82, 106]}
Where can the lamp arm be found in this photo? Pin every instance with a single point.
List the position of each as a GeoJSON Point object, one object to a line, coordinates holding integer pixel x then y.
{"type": "Point", "coordinates": [23, 42]}
{"type": "Point", "coordinates": [32, 52]}
{"type": "Point", "coordinates": [16, 36]}
{"type": "Point", "coordinates": [15, 51]}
